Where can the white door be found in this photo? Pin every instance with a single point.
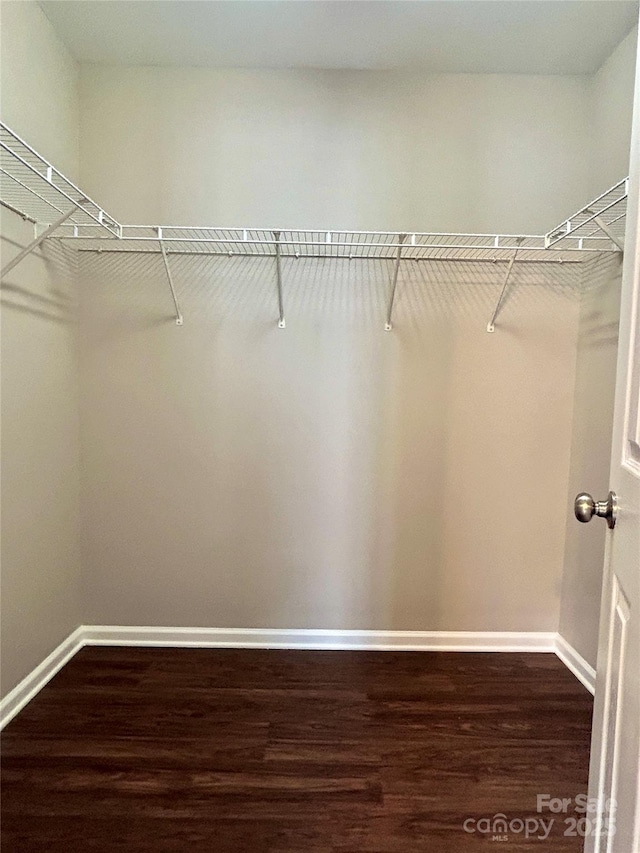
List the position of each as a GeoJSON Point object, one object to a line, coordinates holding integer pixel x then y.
{"type": "Point", "coordinates": [615, 746]}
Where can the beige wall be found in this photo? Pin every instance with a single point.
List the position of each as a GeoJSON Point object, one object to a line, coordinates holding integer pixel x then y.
{"type": "Point", "coordinates": [330, 474]}
{"type": "Point", "coordinates": [590, 454]}
{"type": "Point", "coordinates": [40, 446]}
{"type": "Point", "coordinates": [334, 149]}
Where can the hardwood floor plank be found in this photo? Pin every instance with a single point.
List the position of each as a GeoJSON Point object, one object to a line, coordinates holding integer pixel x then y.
{"type": "Point", "coordinates": [288, 751]}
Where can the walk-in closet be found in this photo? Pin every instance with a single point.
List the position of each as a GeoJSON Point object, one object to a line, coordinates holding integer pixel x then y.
{"type": "Point", "coordinates": [316, 318]}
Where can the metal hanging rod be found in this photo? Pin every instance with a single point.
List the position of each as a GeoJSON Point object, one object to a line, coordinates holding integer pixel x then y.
{"type": "Point", "coordinates": [541, 259]}
{"type": "Point", "coordinates": [20, 213]}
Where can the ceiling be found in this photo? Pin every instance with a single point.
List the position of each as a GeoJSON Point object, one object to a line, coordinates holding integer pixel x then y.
{"type": "Point", "coordinates": [476, 36]}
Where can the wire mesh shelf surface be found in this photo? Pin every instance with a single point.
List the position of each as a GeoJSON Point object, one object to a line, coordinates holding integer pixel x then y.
{"type": "Point", "coordinates": [33, 188]}
{"type": "Point", "coordinates": [310, 244]}
{"type": "Point", "coordinates": [600, 221]}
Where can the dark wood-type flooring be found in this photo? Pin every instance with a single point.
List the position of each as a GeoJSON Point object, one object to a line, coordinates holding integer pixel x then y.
{"type": "Point", "coordinates": [224, 750]}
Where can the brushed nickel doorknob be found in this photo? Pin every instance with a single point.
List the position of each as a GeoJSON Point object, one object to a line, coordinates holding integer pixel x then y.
{"type": "Point", "coordinates": [585, 508]}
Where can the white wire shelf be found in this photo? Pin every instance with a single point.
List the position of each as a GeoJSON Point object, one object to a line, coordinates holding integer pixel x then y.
{"type": "Point", "coordinates": [602, 221]}
{"type": "Point", "coordinates": [31, 187]}
{"type": "Point", "coordinates": [351, 245]}
{"type": "Point", "coordinates": [37, 191]}
{"type": "Point", "coordinates": [596, 228]}
{"type": "Point", "coordinates": [309, 243]}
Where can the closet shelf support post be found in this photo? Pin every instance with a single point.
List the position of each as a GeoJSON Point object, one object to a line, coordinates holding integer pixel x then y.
{"type": "Point", "coordinates": [179, 317]}
{"type": "Point", "coordinates": [603, 226]}
{"type": "Point", "coordinates": [35, 243]}
{"type": "Point", "coordinates": [503, 293]}
{"type": "Point", "coordinates": [281, 320]}
{"type": "Point", "coordinates": [388, 326]}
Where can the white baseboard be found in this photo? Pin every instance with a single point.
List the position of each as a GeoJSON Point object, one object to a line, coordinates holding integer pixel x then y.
{"type": "Point", "coordinates": [24, 692]}
{"type": "Point", "coordinates": [304, 638]}
{"type": "Point", "coordinates": [583, 671]}
{"type": "Point", "coordinates": [290, 638]}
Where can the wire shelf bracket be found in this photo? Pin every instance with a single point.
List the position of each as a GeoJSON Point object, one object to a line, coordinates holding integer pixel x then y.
{"type": "Point", "coordinates": [491, 325]}
{"type": "Point", "coordinates": [388, 326]}
{"type": "Point", "coordinates": [619, 241]}
{"type": "Point", "coordinates": [179, 317]}
{"type": "Point", "coordinates": [35, 243]}
{"type": "Point", "coordinates": [281, 321]}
